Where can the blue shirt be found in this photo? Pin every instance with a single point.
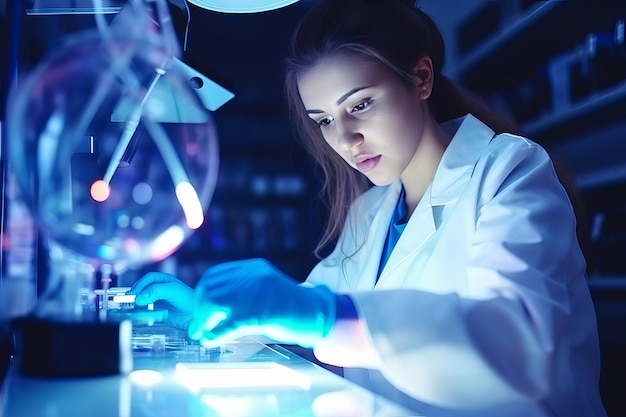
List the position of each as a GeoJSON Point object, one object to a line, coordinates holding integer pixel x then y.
{"type": "Point", "coordinates": [396, 227]}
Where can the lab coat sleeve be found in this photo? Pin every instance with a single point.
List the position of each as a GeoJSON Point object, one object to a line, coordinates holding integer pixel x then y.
{"type": "Point", "coordinates": [494, 342]}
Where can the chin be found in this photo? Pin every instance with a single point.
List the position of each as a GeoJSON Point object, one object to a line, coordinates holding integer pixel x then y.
{"type": "Point", "coordinates": [381, 181]}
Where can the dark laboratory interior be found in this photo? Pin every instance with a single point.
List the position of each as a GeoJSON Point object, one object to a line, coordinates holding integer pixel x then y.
{"type": "Point", "coordinates": [557, 67]}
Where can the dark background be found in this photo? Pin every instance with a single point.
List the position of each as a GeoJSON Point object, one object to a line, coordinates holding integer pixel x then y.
{"type": "Point", "coordinates": [555, 66]}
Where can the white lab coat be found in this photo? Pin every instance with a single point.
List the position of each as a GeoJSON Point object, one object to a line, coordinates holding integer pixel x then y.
{"type": "Point", "coordinates": [483, 302]}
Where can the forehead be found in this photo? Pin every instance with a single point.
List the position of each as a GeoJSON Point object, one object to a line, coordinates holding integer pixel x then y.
{"type": "Point", "coordinates": [334, 75]}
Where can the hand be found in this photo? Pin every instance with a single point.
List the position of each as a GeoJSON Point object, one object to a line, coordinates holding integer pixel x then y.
{"type": "Point", "coordinates": [252, 297]}
{"type": "Point", "coordinates": [168, 292]}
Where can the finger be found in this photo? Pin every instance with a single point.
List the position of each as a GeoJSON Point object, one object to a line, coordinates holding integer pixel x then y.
{"type": "Point", "coordinates": [179, 321]}
{"type": "Point", "coordinates": [224, 334]}
{"type": "Point", "coordinates": [195, 330]}
{"type": "Point", "coordinates": [158, 291]}
{"type": "Point", "coordinates": [206, 322]}
{"type": "Point", "coordinates": [149, 279]}
{"type": "Point", "coordinates": [211, 341]}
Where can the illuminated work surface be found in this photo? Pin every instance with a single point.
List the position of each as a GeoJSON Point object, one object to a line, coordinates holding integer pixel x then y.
{"type": "Point", "coordinates": [245, 379]}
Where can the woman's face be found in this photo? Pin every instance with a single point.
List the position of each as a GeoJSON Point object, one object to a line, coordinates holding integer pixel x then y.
{"type": "Point", "coordinates": [372, 119]}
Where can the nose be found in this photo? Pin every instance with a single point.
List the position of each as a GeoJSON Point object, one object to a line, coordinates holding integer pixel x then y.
{"type": "Point", "coordinates": [348, 136]}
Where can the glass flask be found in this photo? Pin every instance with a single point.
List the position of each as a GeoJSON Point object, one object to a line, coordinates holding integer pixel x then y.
{"type": "Point", "coordinates": [112, 149]}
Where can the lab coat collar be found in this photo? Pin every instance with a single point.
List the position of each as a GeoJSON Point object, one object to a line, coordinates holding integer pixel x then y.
{"type": "Point", "coordinates": [457, 163]}
{"type": "Point", "coordinates": [470, 137]}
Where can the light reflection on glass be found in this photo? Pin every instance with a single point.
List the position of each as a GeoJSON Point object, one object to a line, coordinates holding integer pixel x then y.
{"type": "Point", "coordinates": [345, 403]}
{"type": "Point", "coordinates": [167, 242]}
{"type": "Point", "coordinates": [241, 406]}
{"type": "Point", "coordinates": [198, 376]}
{"type": "Point", "coordinates": [189, 201]}
{"type": "Point", "coordinates": [142, 193]}
{"type": "Point", "coordinates": [145, 378]}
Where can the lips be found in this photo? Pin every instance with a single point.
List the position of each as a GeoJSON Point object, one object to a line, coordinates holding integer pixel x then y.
{"type": "Point", "coordinates": [366, 163]}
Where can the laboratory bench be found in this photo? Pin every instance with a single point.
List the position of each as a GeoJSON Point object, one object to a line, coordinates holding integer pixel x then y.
{"type": "Point", "coordinates": [173, 377]}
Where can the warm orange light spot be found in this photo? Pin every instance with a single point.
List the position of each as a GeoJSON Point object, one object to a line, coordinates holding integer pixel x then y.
{"type": "Point", "coordinates": [100, 191]}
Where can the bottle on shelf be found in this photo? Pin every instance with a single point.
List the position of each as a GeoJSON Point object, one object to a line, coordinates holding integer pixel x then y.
{"type": "Point", "coordinates": [599, 64]}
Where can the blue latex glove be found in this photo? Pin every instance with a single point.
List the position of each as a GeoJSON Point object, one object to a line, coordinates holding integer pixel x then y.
{"type": "Point", "coordinates": [168, 292]}
{"type": "Point", "coordinates": [252, 297]}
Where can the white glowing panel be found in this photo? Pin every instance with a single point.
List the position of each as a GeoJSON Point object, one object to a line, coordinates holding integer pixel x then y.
{"type": "Point", "coordinates": [198, 376]}
{"type": "Point", "coordinates": [124, 298]}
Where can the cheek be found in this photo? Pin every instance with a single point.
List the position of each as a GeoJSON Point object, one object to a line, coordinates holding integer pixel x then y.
{"type": "Point", "coordinates": [330, 140]}
{"type": "Point", "coordinates": [324, 136]}
{"type": "Point", "coordinates": [334, 148]}
{"type": "Point", "coordinates": [410, 128]}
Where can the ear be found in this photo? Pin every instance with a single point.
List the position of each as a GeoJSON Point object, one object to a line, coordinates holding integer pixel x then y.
{"type": "Point", "coordinates": [424, 77]}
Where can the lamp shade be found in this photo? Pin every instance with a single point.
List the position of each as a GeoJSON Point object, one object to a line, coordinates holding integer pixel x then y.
{"type": "Point", "coordinates": [241, 6]}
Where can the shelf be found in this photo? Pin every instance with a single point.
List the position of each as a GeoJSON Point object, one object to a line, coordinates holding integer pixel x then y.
{"type": "Point", "coordinates": [601, 177]}
{"type": "Point", "coordinates": [596, 158]}
{"type": "Point", "coordinates": [484, 52]}
{"type": "Point", "coordinates": [526, 44]}
{"type": "Point", "coordinates": [607, 283]}
{"type": "Point", "coordinates": [592, 113]}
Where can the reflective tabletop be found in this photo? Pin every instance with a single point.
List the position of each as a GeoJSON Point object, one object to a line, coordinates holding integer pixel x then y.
{"type": "Point", "coordinates": [173, 377]}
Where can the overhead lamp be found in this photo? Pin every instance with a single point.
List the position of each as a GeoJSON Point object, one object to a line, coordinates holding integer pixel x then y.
{"type": "Point", "coordinates": [56, 7]}
{"type": "Point", "coordinates": [241, 6]}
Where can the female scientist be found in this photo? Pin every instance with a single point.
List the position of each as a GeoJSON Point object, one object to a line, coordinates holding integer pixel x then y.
{"type": "Point", "coordinates": [456, 281]}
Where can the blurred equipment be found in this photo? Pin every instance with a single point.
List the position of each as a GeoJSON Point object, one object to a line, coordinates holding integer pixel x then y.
{"type": "Point", "coordinates": [55, 7]}
{"type": "Point", "coordinates": [115, 154]}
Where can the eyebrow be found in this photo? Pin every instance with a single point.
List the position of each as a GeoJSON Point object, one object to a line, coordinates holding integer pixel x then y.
{"type": "Point", "coordinates": [342, 98]}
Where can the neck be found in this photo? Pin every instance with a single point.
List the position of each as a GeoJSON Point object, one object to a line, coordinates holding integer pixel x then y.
{"type": "Point", "coordinates": [421, 171]}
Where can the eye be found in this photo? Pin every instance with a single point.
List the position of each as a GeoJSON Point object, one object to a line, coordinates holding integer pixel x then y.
{"type": "Point", "coordinates": [363, 105]}
{"type": "Point", "coordinates": [326, 121]}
